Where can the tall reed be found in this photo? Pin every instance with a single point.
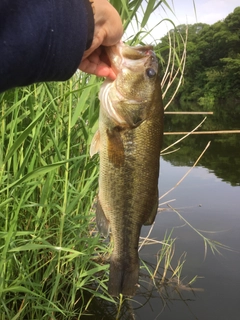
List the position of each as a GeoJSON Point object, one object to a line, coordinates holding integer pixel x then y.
{"type": "Point", "coordinates": [48, 183]}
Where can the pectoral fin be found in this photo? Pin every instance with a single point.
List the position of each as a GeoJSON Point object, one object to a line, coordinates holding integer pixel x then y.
{"type": "Point", "coordinates": [151, 217]}
{"type": "Point", "coordinates": [95, 144]}
{"type": "Point", "coordinates": [103, 224]}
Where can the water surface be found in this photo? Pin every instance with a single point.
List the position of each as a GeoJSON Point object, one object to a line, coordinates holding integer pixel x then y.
{"type": "Point", "coordinates": [211, 205]}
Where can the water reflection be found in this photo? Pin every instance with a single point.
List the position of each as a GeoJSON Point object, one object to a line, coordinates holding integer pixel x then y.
{"type": "Point", "coordinates": [223, 157]}
{"type": "Point", "coordinates": [211, 206]}
{"type": "Point", "coordinates": [150, 302]}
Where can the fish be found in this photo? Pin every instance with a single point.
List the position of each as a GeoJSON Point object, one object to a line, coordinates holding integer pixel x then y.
{"type": "Point", "coordinates": [128, 140]}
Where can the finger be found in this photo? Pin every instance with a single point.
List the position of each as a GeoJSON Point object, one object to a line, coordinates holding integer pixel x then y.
{"type": "Point", "coordinates": [100, 69]}
{"type": "Point", "coordinates": [104, 71]}
{"type": "Point", "coordinates": [93, 52]}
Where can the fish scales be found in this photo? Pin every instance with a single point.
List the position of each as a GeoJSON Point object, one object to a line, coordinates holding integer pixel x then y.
{"type": "Point", "coordinates": [128, 141]}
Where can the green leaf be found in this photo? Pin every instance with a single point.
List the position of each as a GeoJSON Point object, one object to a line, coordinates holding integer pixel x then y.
{"type": "Point", "coordinates": [36, 173]}
{"type": "Point", "coordinates": [24, 135]}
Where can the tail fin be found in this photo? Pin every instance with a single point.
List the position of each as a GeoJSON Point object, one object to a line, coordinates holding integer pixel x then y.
{"type": "Point", "coordinates": [123, 277]}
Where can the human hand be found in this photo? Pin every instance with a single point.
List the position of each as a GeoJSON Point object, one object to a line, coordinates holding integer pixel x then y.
{"type": "Point", "coordinates": [108, 31]}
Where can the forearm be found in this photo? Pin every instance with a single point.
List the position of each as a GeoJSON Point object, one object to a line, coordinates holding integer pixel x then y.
{"type": "Point", "coordinates": [42, 40]}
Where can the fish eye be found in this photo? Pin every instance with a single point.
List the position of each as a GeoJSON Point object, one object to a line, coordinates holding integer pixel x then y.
{"type": "Point", "coordinates": [150, 72]}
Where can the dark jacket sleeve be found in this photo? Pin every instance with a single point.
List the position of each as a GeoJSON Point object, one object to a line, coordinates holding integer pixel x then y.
{"type": "Point", "coordinates": [42, 40]}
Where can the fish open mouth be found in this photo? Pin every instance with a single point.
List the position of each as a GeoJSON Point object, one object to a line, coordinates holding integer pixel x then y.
{"type": "Point", "coordinates": [122, 55]}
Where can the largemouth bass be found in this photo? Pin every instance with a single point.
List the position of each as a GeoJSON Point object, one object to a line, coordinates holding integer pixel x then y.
{"type": "Point", "coordinates": [128, 140]}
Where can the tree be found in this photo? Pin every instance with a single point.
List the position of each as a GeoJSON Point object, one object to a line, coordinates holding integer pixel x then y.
{"type": "Point", "coordinates": [213, 62]}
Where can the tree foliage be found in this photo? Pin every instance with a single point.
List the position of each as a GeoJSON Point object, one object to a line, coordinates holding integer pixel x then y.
{"type": "Point", "coordinates": [213, 59]}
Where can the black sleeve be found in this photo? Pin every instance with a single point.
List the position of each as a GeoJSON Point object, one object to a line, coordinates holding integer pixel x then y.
{"type": "Point", "coordinates": [42, 40]}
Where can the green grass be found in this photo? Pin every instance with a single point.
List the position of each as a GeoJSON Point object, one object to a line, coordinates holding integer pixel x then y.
{"type": "Point", "coordinates": [47, 186]}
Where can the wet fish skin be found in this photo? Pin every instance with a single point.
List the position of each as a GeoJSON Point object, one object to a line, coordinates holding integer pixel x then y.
{"type": "Point", "coordinates": [128, 141]}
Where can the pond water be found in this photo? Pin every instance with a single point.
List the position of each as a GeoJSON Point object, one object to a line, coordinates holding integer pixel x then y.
{"type": "Point", "coordinates": [209, 199]}
{"type": "Point", "coordinates": [213, 206]}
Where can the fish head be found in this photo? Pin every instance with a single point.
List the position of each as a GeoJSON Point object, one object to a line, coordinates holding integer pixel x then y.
{"type": "Point", "coordinates": [137, 70]}
{"type": "Point", "coordinates": [136, 92]}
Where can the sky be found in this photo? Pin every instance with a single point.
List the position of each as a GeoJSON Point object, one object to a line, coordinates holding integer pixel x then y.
{"type": "Point", "coordinates": [207, 11]}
